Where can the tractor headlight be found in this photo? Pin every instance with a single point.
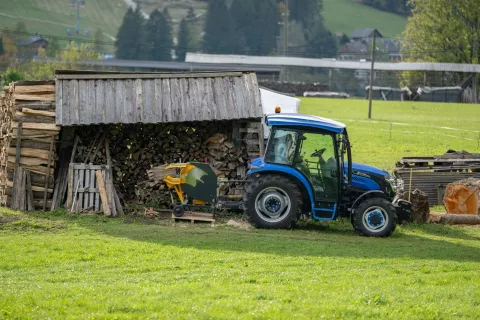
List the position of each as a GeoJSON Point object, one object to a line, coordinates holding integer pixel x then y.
{"type": "Point", "coordinates": [395, 184]}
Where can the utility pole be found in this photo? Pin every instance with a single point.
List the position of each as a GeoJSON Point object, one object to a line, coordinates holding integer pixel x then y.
{"type": "Point", "coordinates": [77, 25]}
{"type": "Point", "coordinates": [285, 39]}
{"type": "Point", "coordinates": [371, 77]}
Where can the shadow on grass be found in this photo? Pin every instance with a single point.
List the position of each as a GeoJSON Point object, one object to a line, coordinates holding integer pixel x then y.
{"type": "Point", "coordinates": [329, 240]}
{"type": "Point", "coordinates": [335, 239]}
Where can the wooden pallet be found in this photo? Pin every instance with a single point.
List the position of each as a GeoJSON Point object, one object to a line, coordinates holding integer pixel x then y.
{"type": "Point", "coordinates": [196, 216]}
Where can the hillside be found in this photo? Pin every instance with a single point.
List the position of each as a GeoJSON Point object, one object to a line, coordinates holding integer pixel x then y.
{"type": "Point", "coordinates": [348, 15]}
{"type": "Point", "coordinates": [54, 17]}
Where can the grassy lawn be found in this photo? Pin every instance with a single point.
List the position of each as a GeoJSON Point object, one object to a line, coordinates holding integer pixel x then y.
{"type": "Point", "coordinates": [54, 17]}
{"type": "Point", "coordinates": [58, 266]}
{"type": "Point", "coordinates": [400, 129]}
{"type": "Point", "coordinates": [348, 15]}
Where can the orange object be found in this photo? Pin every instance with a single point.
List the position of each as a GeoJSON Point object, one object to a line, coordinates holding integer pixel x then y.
{"type": "Point", "coordinates": [278, 109]}
{"type": "Point", "coordinates": [460, 199]}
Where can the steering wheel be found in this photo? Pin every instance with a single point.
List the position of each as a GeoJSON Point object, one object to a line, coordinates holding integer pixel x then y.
{"type": "Point", "coordinates": [318, 153]}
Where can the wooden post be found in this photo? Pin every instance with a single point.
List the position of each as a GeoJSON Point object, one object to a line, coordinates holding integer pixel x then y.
{"type": "Point", "coordinates": [370, 96]}
{"type": "Point", "coordinates": [424, 78]}
{"type": "Point", "coordinates": [70, 185]}
{"type": "Point", "coordinates": [48, 173]}
{"type": "Point", "coordinates": [17, 164]}
{"type": "Point", "coordinates": [103, 193]}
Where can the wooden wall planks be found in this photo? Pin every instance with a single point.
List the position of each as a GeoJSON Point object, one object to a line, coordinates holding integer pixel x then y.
{"type": "Point", "coordinates": [157, 100]}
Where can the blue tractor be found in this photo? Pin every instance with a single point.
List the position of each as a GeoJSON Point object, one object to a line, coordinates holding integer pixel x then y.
{"type": "Point", "coordinates": [307, 169]}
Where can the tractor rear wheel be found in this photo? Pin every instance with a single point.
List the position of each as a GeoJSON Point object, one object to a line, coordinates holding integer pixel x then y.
{"type": "Point", "coordinates": [375, 217]}
{"type": "Point", "coordinates": [272, 202]}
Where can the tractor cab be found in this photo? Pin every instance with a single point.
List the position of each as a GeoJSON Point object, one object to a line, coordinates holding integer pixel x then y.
{"type": "Point", "coordinates": [307, 168]}
{"type": "Point", "coordinates": [316, 148]}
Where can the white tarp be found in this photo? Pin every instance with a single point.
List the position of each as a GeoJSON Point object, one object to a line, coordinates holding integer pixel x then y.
{"type": "Point", "coordinates": [272, 99]}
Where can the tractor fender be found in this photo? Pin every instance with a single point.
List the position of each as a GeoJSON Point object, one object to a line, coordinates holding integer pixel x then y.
{"type": "Point", "coordinates": [291, 173]}
{"type": "Point", "coordinates": [377, 193]}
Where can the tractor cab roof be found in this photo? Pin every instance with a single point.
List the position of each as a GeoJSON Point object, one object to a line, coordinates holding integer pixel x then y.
{"type": "Point", "coordinates": [304, 120]}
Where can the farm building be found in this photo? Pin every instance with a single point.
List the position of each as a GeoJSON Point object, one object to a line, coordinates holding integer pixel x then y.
{"type": "Point", "coordinates": [123, 124]}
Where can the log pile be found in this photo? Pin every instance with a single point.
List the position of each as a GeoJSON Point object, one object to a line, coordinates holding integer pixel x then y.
{"type": "Point", "coordinates": [29, 136]}
{"type": "Point", "coordinates": [137, 148]}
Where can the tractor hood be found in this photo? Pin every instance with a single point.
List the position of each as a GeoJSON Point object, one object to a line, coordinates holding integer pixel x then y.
{"type": "Point", "coordinates": [359, 167]}
{"type": "Point", "coordinates": [356, 167]}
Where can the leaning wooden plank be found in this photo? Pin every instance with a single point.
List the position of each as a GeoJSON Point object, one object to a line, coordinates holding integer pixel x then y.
{"type": "Point", "coordinates": [37, 126]}
{"type": "Point", "coordinates": [118, 204]}
{"type": "Point", "coordinates": [17, 164]}
{"type": "Point", "coordinates": [29, 152]}
{"type": "Point", "coordinates": [39, 89]}
{"type": "Point", "coordinates": [103, 193]}
{"type": "Point", "coordinates": [50, 158]}
{"type": "Point", "coordinates": [34, 188]}
{"type": "Point", "coordinates": [21, 194]}
{"type": "Point", "coordinates": [109, 179]}
{"type": "Point", "coordinates": [29, 191]}
{"type": "Point", "coordinates": [38, 113]}
{"type": "Point", "coordinates": [30, 161]}
{"type": "Point", "coordinates": [35, 97]}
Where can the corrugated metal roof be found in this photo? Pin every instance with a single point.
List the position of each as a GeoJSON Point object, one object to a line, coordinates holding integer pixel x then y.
{"type": "Point", "coordinates": [331, 63]}
{"type": "Point", "coordinates": [85, 98]}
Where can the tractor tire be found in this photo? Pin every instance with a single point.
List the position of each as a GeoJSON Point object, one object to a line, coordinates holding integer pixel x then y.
{"type": "Point", "coordinates": [272, 202]}
{"type": "Point", "coordinates": [375, 217]}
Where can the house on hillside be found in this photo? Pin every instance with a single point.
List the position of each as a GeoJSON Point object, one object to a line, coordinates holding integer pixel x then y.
{"type": "Point", "coordinates": [360, 46]}
{"type": "Point", "coordinates": [28, 48]}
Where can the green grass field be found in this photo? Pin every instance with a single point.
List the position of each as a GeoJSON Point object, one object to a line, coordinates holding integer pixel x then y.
{"type": "Point", "coordinates": [348, 15]}
{"type": "Point", "coordinates": [401, 129]}
{"type": "Point", "coordinates": [69, 267]}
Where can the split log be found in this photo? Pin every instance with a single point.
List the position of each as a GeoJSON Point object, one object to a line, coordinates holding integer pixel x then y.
{"type": "Point", "coordinates": [34, 90]}
{"type": "Point", "coordinates": [29, 152]}
{"type": "Point", "coordinates": [38, 113]}
{"type": "Point", "coordinates": [32, 162]}
{"type": "Point", "coordinates": [36, 169]}
{"type": "Point", "coordinates": [34, 133]}
{"type": "Point", "coordinates": [31, 144]}
{"type": "Point", "coordinates": [448, 218]}
{"type": "Point", "coordinates": [37, 126]}
{"type": "Point", "coordinates": [34, 188]}
{"type": "Point", "coordinates": [35, 97]}
{"type": "Point", "coordinates": [20, 116]}
{"type": "Point", "coordinates": [48, 106]}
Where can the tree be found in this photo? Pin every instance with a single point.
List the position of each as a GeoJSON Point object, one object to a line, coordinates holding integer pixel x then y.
{"type": "Point", "coordinates": [97, 40]}
{"type": "Point", "coordinates": [443, 31]}
{"type": "Point", "coordinates": [2, 50]}
{"type": "Point", "coordinates": [130, 43]}
{"type": "Point", "coordinates": [53, 47]}
{"type": "Point", "coordinates": [220, 36]}
{"type": "Point", "coordinates": [158, 37]}
{"type": "Point", "coordinates": [67, 58]}
{"type": "Point", "coordinates": [307, 12]}
{"type": "Point", "coordinates": [321, 42]}
{"type": "Point", "coordinates": [184, 40]}
{"type": "Point", "coordinates": [20, 31]}
{"type": "Point", "coordinates": [256, 24]}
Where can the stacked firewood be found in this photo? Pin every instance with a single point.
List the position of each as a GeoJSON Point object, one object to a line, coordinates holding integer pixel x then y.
{"type": "Point", "coordinates": [29, 136]}
{"type": "Point", "coordinates": [137, 148]}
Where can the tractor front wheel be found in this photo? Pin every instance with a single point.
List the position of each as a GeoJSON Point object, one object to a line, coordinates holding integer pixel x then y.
{"type": "Point", "coordinates": [375, 217]}
{"type": "Point", "coordinates": [272, 202]}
